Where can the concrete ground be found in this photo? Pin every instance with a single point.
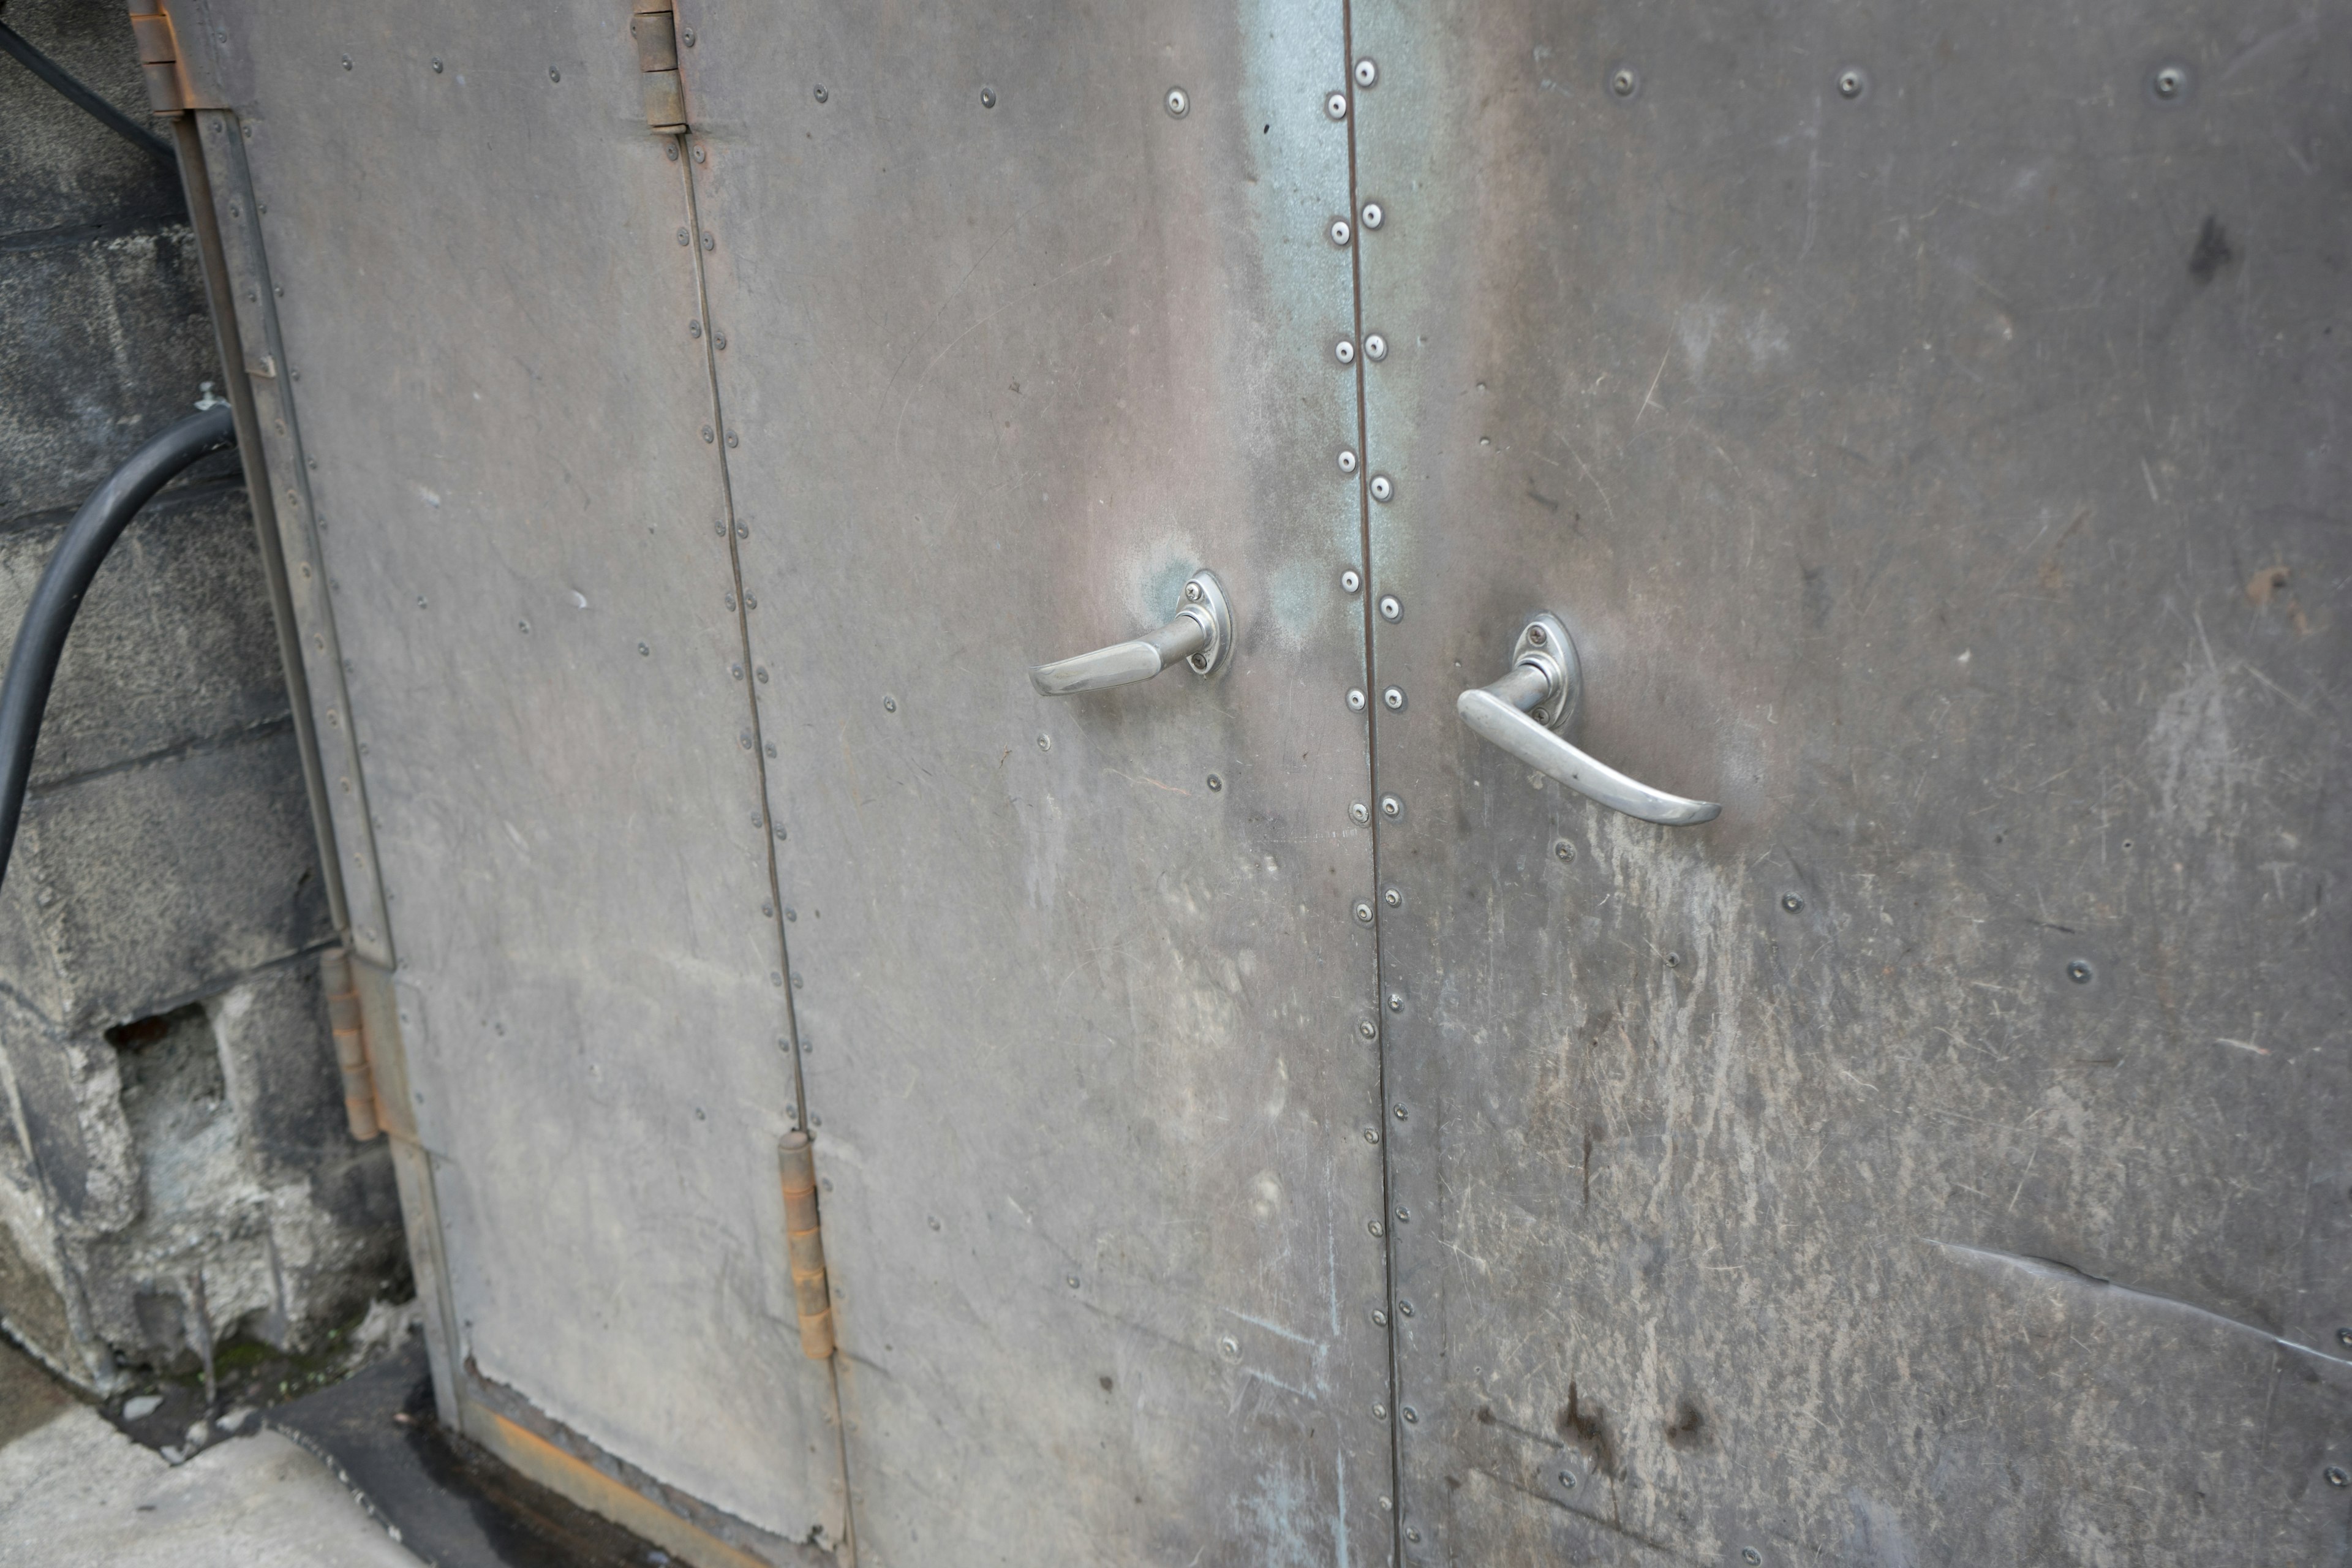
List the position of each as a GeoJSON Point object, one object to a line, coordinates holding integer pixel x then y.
{"type": "Point", "coordinates": [76, 1493]}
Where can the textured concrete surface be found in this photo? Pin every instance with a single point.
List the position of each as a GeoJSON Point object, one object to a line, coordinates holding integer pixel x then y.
{"type": "Point", "coordinates": [174, 1169]}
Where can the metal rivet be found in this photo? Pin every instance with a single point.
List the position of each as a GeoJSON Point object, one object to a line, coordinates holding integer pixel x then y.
{"type": "Point", "coordinates": [2078, 970]}
{"type": "Point", "coordinates": [684, 238]}
{"type": "Point", "coordinates": [1373, 214]}
{"type": "Point", "coordinates": [1404, 1216]}
{"type": "Point", "coordinates": [1379, 1412]}
{"type": "Point", "coordinates": [554, 75]}
{"type": "Point", "coordinates": [1071, 1280]}
{"type": "Point", "coordinates": [1673, 960]}
{"type": "Point", "coordinates": [1355, 700]}
{"type": "Point", "coordinates": [709, 433]}
{"type": "Point", "coordinates": [1367, 72]}
{"type": "Point", "coordinates": [685, 36]}
{"type": "Point", "coordinates": [1350, 580]}
{"type": "Point", "coordinates": [1563, 848]}
{"type": "Point", "coordinates": [697, 155]}
{"type": "Point", "coordinates": [1396, 1002]}
{"type": "Point", "coordinates": [2336, 1478]}
{"type": "Point", "coordinates": [736, 671]}
{"type": "Point", "coordinates": [644, 651]}
{"type": "Point", "coordinates": [524, 627]}
{"type": "Point", "coordinates": [347, 62]}
{"type": "Point", "coordinates": [731, 437]}
{"type": "Point", "coordinates": [694, 329]}
{"type": "Point", "coordinates": [1374, 1227]}
{"type": "Point", "coordinates": [1368, 1029]}
{"type": "Point", "coordinates": [821, 94]}
{"type": "Point", "coordinates": [1749, 1554]}
{"type": "Point", "coordinates": [1376, 347]}
{"type": "Point", "coordinates": [1625, 81]}
{"type": "Point", "coordinates": [931, 1220]}
{"type": "Point", "coordinates": [1791, 903]}
{"type": "Point", "coordinates": [2344, 1336]}
{"type": "Point", "coordinates": [1371, 1134]}
{"type": "Point", "coordinates": [1044, 743]}
{"type": "Point", "coordinates": [1407, 1411]}
{"type": "Point", "coordinates": [671, 148]}
{"type": "Point", "coordinates": [1363, 912]}
{"type": "Point", "coordinates": [437, 71]}
{"type": "Point", "coordinates": [1386, 1504]}
{"type": "Point", "coordinates": [743, 531]}
{"type": "Point", "coordinates": [1347, 461]}
{"type": "Point", "coordinates": [760, 675]}
{"type": "Point", "coordinates": [1336, 105]}
{"type": "Point", "coordinates": [889, 705]}
{"type": "Point", "coordinates": [1851, 82]}
{"type": "Point", "coordinates": [1359, 814]}
{"type": "Point", "coordinates": [1568, 1480]}
{"type": "Point", "coordinates": [2170, 82]}
{"type": "Point", "coordinates": [1414, 1536]}
{"type": "Point", "coordinates": [707, 242]}
{"type": "Point", "coordinates": [1230, 1347]}
{"type": "Point", "coordinates": [1392, 807]}
{"type": "Point", "coordinates": [1381, 489]}
{"type": "Point", "coordinates": [988, 98]}
{"type": "Point", "coordinates": [1179, 103]}
{"type": "Point", "coordinates": [1381, 1320]}
{"type": "Point", "coordinates": [1215, 783]}
{"type": "Point", "coordinates": [791, 914]}
{"type": "Point", "coordinates": [1389, 608]}
{"type": "Point", "coordinates": [1393, 898]}
{"type": "Point", "coordinates": [1399, 1113]}
{"type": "Point", "coordinates": [1394, 697]}
{"type": "Point", "coordinates": [1344, 351]}
{"type": "Point", "coordinates": [1339, 231]}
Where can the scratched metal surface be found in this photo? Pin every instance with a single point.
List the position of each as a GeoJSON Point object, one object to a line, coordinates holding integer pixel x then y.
{"type": "Point", "coordinates": [1948, 479]}
{"type": "Point", "coordinates": [499, 433]}
{"type": "Point", "coordinates": [1080, 1033]}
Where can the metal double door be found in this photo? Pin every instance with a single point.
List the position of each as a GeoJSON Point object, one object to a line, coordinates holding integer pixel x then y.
{"type": "Point", "coordinates": [1262, 1116]}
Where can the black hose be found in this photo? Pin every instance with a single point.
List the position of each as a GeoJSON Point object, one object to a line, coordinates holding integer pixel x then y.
{"type": "Point", "coordinates": [41, 637]}
{"type": "Point", "coordinates": [114, 120]}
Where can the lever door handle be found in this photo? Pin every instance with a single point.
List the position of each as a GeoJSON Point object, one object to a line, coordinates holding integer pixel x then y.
{"type": "Point", "coordinates": [1531, 711]}
{"type": "Point", "coordinates": [1201, 635]}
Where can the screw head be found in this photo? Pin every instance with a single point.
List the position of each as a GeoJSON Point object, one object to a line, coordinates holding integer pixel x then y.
{"type": "Point", "coordinates": [1192, 592]}
{"type": "Point", "coordinates": [2338, 1477]}
{"type": "Point", "coordinates": [1180, 103]}
{"type": "Point", "coordinates": [1381, 489]}
{"type": "Point", "coordinates": [1336, 105]}
{"type": "Point", "coordinates": [1347, 461]}
{"type": "Point", "coordinates": [1412, 1535]}
{"type": "Point", "coordinates": [1389, 608]}
{"type": "Point", "coordinates": [1367, 72]}
{"type": "Point", "coordinates": [1376, 347]}
{"type": "Point", "coordinates": [1392, 899]}
{"type": "Point", "coordinates": [642, 651]}
{"type": "Point", "coordinates": [1374, 1227]}
{"type": "Point", "coordinates": [1396, 1002]}
{"type": "Point", "coordinates": [1851, 82]}
{"type": "Point", "coordinates": [347, 62]}
{"type": "Point", "coordinates": [1363, 912]}
{"type": "Point", "coordinates": [988, 98]}
{"type": "Point", "coordinates": [1392, 807]}
{"type": "Point", "coordinates": [1393, 698]}
{"type": "Point", "coordinates": [1407, 1411]}
{"type": "Point", "coordinates": [1368, 1029]}
{"type": "Point", "coordinates": [700, 157]}
{"type": "Point", "coordinates": [889, 705]}
{"type": "Point", "coordinates": [1373, 214]}
{"type": "Point", "coordinates": [1344, 351]}
{"type": "Point", "coordinates": [1381, 1320]}
{"type": "Point", "coordinates": [2344, 1336]}
{"type": "Point", "coordinates": [2170, 82]}
{"type": "Point", "coordinates": [1563, 849]}
{"type": "Point", "coordinates": [1044, 743]}
{"type": "Point", "coordinates": [1566, 1480]}
{"type": "Point", "coordinates": [436, 68]}
{"type": "Point", "coordinates": [1360, 814]}
{"type": "Point", "coordinates": [1379, 1412]}
{"type": "Point", "coordinates": [1071, 1280]}
{"type": "Point", "coordinates": [683, 238]}
{"type": "Point", "coordinates": [1371, 1134]}
{"type": "Point", "coordinates": [1749, 1554]}
{"type": "Point", "coordinates": [685, 36]}
{"type": "Point", "coordinates": [1399, 1113]}
{"type": "Point", "coordinates": [1340, 233]}
{"type": "Point", "coordinates": [1387, 1503]}
{"type": "Point", "coordinates": [1215, 783]}
{"type": "Point", "coordinates": [1625, 81]}
{"type": "Point", "coordinates": [821, 94]}
{"type": "Point", "coordinates": [1355, 700]}
{"type": "Point", "coordinates": [1791, 903]}
{"type": "Point", "coordinates": [1537, 636]}
{"type": "Point", "coordinates": [2078, 970]}
{"type": "Point", "coordinates": [554, 75]}
{"type": "Point", "coordinates": [1230, 1348]}
{"type": "Point", "coordinates": [1673, 960]}
{"type": "Point", "coordinates": [1350, 580]}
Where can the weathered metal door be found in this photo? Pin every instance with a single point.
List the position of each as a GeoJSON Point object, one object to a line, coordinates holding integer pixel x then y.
{"type": "Point", "coordinates": [1924, 423]}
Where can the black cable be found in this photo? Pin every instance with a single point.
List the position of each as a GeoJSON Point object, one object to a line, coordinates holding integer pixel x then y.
{"type": "Point", "coordinates": [113, 119]}
{"type": "Point", "coordinates": [41, 637]}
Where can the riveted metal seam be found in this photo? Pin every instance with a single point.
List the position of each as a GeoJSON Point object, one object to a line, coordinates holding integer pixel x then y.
{"type": "Point", "coordinates": [686, 166]}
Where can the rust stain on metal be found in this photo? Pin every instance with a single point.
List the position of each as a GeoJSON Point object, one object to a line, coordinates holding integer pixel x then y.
{"type": "Point", "coordinates": [351, 1043]}
{"type": "Point", "coordinates": [807, 1242]}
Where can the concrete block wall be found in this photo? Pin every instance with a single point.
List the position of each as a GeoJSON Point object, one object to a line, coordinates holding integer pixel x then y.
{"type": "Point", "coordinates": [175, 1165]}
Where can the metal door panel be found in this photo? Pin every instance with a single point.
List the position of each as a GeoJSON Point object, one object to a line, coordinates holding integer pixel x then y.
{"type": "Point", "coordinates": [1010, 350]}
{"type": "Point", "coordinates": [1940, 477]}
{"type": "Point", "coordinates": [483, 326]}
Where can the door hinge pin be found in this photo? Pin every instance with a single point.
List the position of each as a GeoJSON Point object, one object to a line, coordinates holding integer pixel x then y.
{"type": "Point", "coordinates": [655, 27]}
{"type": "Point", "coordinates": [349, 1029]}
{"type": "Point", "coordinates": [806, 1243]}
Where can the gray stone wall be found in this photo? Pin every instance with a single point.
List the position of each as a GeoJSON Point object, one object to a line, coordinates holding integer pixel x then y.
{"type": "Point", "coordinates": [174, 1165]}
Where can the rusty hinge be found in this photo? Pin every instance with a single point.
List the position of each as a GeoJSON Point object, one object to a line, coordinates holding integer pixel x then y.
{"type": "Point", "coordinates": [351, 1043]}
{"type": "Point", "coordinates": [159, 56]}
{"type": "Point", "coordinates": [811, 1298]}
{"type": "Point", "coordinates": [655, 27]}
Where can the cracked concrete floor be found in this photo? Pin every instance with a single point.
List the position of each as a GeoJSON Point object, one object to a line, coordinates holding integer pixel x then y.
{"type": "Point", "coordinates": [76, 1493]}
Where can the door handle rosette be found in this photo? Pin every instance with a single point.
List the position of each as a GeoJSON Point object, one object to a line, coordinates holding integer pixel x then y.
{"type": "Point", "coordinates": [1531, 711]}
{"type": "Point", "coordinates": [1201, 635]}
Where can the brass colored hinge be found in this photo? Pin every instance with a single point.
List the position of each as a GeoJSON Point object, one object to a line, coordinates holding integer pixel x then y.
{"type": "Point", "coordinates": [159, 56]}
{"type": "Point", "coordinates": [655, 27]}
{"type": "Point", "coordinates": [811, 1296]}
{"type": "Point", "coordinates": [351, 1043]}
